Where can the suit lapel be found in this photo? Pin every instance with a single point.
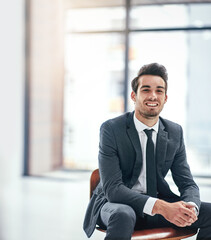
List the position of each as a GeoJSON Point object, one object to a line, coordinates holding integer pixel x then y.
{"type": "Point", "coordinates": [134, 138]}
{"type": "Point", "coordinates": [161, 145]}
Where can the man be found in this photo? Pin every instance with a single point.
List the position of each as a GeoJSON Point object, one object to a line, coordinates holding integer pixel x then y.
{"type": "Point", "coordinates": [136, 152]}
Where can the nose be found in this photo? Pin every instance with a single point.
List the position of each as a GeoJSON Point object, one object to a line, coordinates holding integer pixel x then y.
{"type": "Point", "coordinates": [153, 96]}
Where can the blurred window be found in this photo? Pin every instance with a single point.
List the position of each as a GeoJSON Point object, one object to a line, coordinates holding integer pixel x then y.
{"type": "Point", "coordinates": [94, 80]}
{"type": "Point", "coordinates": [187, 56]}
{"type": "Point", "coordinates": [159, 16]}
{"type": "Point", "coordinates": [198, 122]}
{"type": "Point", "coordinates": [170, 16]}
{"type": "Point", "coordinates": [175, 35]}
{"type": "Point", "coordinates": [170, 49]}
{"type": "Point", "coordinates": [95, 19]}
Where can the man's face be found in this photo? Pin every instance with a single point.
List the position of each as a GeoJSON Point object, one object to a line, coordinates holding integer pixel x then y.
{"type": "Point", "coordinates": [150, 97]}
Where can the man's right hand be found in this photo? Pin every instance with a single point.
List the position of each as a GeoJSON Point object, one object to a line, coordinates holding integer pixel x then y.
{"type": "Point", "coordinates": [179, 213]}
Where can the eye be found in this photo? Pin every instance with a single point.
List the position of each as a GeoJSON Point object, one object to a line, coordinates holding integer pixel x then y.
{"type": "Point", "coordinates": [160, 91]}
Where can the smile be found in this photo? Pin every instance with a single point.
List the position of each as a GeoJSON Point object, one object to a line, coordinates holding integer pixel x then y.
{"type": "Point", "coordinates": [152, 104]}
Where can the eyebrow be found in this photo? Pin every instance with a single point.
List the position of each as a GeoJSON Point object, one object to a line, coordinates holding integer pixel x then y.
{"type": "Point", "coordinates": [148, 86]}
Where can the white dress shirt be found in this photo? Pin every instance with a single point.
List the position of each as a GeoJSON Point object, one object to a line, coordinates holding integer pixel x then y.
{"type": "Point", "coordinates": [141, 185]}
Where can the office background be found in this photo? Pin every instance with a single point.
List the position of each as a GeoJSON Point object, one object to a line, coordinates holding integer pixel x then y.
{"type": "Point", "coordinates": [63, 73]}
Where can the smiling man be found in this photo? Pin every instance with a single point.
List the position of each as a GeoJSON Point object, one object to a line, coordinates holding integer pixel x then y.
{"type": "Point", "coordinates": [136, 152]}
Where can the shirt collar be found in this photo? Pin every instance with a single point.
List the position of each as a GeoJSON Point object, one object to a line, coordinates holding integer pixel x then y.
{"type": "Point", "coordinates": [141, 126]}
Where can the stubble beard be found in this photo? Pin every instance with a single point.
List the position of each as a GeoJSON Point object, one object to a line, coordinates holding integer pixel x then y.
{"type": "Point", "coordinates": [150, 114]}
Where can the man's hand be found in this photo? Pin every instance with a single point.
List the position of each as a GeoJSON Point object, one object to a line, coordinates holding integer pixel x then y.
{"type": "Point", "coordinates": [179, 213]}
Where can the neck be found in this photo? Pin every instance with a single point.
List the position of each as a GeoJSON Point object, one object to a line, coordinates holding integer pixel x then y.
{"type": "Point", "coordinates": [148, 121]}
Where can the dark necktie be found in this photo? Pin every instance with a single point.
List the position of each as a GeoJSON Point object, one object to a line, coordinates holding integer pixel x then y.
{"type": "Point", "coordinates": [150, 165]}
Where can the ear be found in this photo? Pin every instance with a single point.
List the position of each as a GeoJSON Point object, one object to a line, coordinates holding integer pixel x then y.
{"type": "Point", "coordinates": [133, 96]}
{"type": "Point", "coordinates": [166, 97]}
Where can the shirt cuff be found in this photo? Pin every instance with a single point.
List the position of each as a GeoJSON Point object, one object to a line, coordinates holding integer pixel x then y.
{"type": "Point", "coordinates": [196, 207]}
{"type": "Point", "coordinates": [149, 206]}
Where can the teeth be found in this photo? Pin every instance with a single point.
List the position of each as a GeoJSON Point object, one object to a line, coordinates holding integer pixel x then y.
{"type": "Point", "coordinates": [152, 104]}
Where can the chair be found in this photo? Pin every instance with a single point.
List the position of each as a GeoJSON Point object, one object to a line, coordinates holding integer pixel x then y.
{"type": "Point", "coordinates": [156, 233]}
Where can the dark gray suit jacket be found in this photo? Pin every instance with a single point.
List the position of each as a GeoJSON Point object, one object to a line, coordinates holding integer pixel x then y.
{"type": "Point", "coordinates": [120, 163]}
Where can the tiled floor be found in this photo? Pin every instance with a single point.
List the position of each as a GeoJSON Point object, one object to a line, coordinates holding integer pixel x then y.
{"type": "Point", "coordinates": [49, 209]}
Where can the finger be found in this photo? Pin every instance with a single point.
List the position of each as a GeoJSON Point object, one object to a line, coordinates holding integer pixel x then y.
{"type": "Point", "coordinates": [182, 220]}
{"type": "Point", "coordinates": [181, 223]}
{"type": "Point", "coordinates": [187, 204]}
{"type": "Point", "coordinates": [188, 215]}
{"type": "Point", "coordinates": [190, 206]}
{"type": "Point", "coordinates": [183, 203]}
{"type": "Point", "coordinates": [187, 211]}
{"type": "Point", "coordinates": [191, 219]}
{"type": "Point", "coordinates": [193, 216]}
{"type": "Point", "coordinates": [187, 219]}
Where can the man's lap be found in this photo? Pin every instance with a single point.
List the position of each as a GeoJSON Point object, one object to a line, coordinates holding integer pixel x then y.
{"type": "Point", "coordinates": [204, 217]}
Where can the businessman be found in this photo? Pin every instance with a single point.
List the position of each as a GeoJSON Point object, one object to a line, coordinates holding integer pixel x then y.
{"type": "Point", "coordinates": [136, 152]}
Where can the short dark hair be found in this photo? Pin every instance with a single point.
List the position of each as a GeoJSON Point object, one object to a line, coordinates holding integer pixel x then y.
{"type": "Point", "coordinates": [151, 69]}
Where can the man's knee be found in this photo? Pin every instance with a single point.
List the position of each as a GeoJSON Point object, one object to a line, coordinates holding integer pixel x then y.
{"type": "Point", "coordinates": [124, 214]}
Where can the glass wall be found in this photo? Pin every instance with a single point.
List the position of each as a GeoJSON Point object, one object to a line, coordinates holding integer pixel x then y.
{"type": "Point", "coordinates": [198, 124]}
{"type": "Point", "coordinates": [170, 49]}
{"type": "Point", "coordinates": [159, 16]}
{"type": "Point", "coordinates": [94, 81]}
{"type": "Point", "coordinates": [177, 36]}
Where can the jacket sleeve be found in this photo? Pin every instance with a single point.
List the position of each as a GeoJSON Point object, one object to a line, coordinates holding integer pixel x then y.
{"type": "Point", "coordinates": [182, 175]}
{"type": "Point", "coordinates": [111, 174]}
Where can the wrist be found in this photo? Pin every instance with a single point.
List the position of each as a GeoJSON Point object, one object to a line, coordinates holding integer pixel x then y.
{"type": "Point", "coordinates": [159, 206]}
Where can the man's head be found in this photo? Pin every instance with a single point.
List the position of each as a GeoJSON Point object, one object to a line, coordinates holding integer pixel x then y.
{"type": "Point", "coordinates": [151, 69]}
{"type": "Point", "coordinates": [149, 92]}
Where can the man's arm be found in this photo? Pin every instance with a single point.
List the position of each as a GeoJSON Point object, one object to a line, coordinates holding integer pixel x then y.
{"type": "Point", "coordinates": [111, 174]}
{"type": "Point", "coordinates": [180, 213]}
{"type": "Point", "coordinates": [189, 191]}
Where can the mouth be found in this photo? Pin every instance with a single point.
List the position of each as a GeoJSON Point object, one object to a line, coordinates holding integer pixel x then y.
{"type": "Point", "coordinates": [152, 104]}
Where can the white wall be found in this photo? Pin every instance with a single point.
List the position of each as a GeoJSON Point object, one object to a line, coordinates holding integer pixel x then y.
{"type": "Point", "coordinates": [11, 89]}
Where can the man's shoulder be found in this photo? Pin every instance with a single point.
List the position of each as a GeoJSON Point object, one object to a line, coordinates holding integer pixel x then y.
{"type": "Point", "coordinates": [170, 125]}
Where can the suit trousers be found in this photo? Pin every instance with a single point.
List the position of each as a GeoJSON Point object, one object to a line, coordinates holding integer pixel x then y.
{"type": "Point", "coordinates": [120, 221]}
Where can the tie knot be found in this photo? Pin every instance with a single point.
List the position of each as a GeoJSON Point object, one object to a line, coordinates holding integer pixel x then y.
{"type": "Point", "coordinates": [148, 132]}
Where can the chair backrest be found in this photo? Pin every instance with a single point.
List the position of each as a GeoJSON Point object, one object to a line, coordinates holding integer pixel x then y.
{"type": "Point", "coordinates": [94, 180]}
